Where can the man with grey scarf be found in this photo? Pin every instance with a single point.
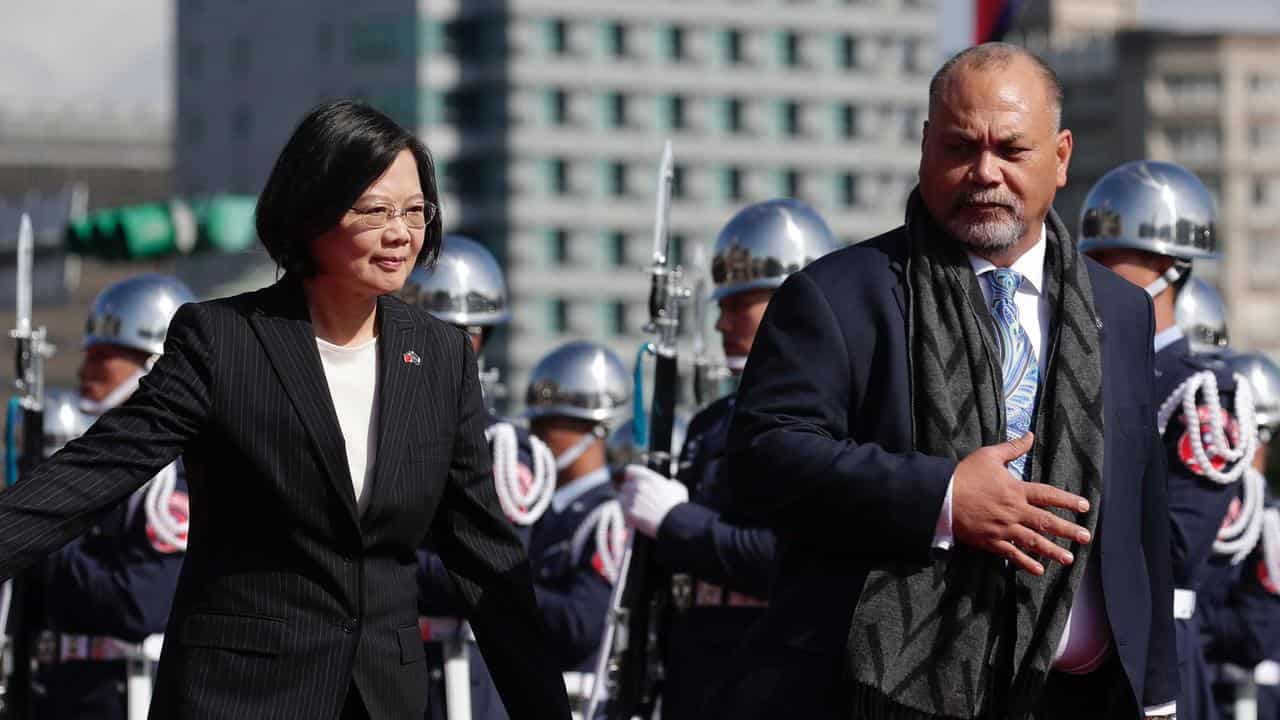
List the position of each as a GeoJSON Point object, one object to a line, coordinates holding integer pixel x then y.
{"type": "Point", "coordinates": [951, 427]}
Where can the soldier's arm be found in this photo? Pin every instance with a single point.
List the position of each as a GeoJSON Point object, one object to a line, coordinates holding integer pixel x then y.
{"type": "Point", "coordinates": [573, 609]}
{"type": "Point", "coordinates": [698, 540]}
{"type": "Point", "coordinates": [1246, 629]}
{"type": "Point", "coordinates": [790, 451]}
{"type": "Point", "coordinates": [123, 589]}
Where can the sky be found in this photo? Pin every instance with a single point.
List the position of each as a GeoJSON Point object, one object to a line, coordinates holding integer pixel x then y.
{"type": "Point", "coordinates": [120, 50]}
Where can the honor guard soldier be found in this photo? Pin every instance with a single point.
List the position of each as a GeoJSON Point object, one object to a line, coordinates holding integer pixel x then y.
{"type": "Point", "coordinates": [1148, 221]}
{"type": "Point", "coordinates": [1240, 600]}
{"type": "Point", "coordinates": [110, 590]}
{"type": "Point", "coordinates": [720, 562]}
{"type": "Point", "coordinates": [576, 393]}
{"type": "Point", "coordinates": [1201, 313]}
{"type": "Point", "coordinates": [467, 288]}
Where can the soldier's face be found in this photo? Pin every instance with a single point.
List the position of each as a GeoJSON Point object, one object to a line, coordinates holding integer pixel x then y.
{"type": "Point", "coordinates": [1138, 267]}
{"type": "Point", "coordinates": [104, 367]}
{"type": "Point", "coordinates": [1260, 457]}
{"type": "Point", "coordinates": [375, 261]}
{"type": "Point", "coordinates": [991, 157]}
{"type": "Point", "coordinates": [740, 316]}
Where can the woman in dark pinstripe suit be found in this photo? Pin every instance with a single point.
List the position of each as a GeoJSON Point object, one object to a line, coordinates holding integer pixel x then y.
{"type": "Point", "coordinates": [326, 427]}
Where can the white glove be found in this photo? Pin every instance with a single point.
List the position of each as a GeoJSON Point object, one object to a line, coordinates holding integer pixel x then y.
{"type": "Point", "coordinates": [647, 497]}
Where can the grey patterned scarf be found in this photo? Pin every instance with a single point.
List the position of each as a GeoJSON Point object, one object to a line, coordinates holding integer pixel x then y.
{"type": "Point", "coordinates": [968, 636]}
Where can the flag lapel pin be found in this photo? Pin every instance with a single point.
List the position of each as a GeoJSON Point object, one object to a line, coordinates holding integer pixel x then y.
{"type": "Point", "coordinates": [411, 358]}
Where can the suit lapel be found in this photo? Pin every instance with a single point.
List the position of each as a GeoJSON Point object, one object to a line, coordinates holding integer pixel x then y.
{"type": "Point", "coordinates": [400, 363]}
{"type": "Point", "coordinates": [283, 326]}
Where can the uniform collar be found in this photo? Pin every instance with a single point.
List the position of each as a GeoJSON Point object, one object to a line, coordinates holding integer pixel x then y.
{"type": "Point", "coordinates": [1030, 265]}
{"type": "Point", "coordinates": [1167, 337]}
{"type": "Point", "coordinates": [574, 489]}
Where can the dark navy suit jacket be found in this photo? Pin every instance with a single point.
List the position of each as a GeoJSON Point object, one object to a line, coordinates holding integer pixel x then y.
{"type": "Point", "coordinates": [821, 447]}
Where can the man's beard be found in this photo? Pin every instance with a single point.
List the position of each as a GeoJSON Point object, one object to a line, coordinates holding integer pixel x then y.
{"type": "Point", "coordinates": [993, 234]}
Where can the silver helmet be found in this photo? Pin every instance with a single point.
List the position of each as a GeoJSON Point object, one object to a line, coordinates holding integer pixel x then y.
{"type": "Point", "coordinates": [63, 420]}
{"type": "Point", "coordinates": [764, 243]}
{"type": "Point", "coordinates": [1201, 313]}
{"type": "Point", "coordinates": [466, 287]}
{"type": "Point", "coordinates": [135, 313]}
{"type": "Point", "coordinates": [621, 448]}
{"type": "Point", "coordinates": [579, 379]}
{"type": "Point", "coordinates": [1263, 375]}
{"type": "Point", "coordinates": [1158, 207]}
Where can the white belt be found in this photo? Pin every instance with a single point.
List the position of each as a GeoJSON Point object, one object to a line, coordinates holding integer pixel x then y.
{"type": "Point", "coordinates": [579, 684]}
{"type": "Point", "coordinates": [70, 647]}
{"type": "Point", "coordinates": [1184, 604]}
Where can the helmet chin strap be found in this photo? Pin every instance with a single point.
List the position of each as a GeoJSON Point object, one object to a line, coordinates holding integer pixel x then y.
{"type": "Point", "coordinates": [1176, 273]}
{"type": "Point", "coordinates": [570, 456]}
{"type": "Point", "coordinates": [736, 363]}
{"type": "Point", "coordinates": [116, 396]}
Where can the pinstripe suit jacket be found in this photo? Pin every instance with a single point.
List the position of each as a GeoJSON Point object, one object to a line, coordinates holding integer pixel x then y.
{"type": "Point", "coordinates": [288, 594]}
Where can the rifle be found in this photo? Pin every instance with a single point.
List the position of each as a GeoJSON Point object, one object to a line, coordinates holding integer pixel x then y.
{"type": "Point", "coordinates": [19, 595]}
{"type": "Point", "coordinates": [629, 670]}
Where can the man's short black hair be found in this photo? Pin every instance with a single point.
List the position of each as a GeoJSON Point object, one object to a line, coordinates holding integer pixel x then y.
{"type": "Point", "coordinates": [337, 151]}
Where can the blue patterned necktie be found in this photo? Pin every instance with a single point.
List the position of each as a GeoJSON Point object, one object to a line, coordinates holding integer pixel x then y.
{"type": "Point", "coordinates": [1017, 360]}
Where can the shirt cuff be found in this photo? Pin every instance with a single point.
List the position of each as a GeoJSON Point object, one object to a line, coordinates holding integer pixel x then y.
{"type": "Point", "coordinates": [943, 538]}
{"type": "Point", "coordinates": [1169, 708]}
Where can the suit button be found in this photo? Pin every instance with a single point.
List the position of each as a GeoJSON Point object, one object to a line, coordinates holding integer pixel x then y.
{"type": "Point", "coordinates": [350, 625]}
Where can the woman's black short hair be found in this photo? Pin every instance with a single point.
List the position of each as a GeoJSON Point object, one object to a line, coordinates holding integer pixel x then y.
{"type": "Point", "coordinates": [338, 150]}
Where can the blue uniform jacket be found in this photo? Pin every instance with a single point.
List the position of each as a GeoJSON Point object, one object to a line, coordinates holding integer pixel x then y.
{"type": "Point", "coordinates": [1197, 506]}
{"type": "Point", "coordinates": [572, 588]}
{"type": "Point", "coordinates": [117, 580]}
{"type": "Point", "coordinates": [729, 563]}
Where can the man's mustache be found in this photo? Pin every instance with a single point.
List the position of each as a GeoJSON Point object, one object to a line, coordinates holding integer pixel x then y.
{"type": "Point", "coordinates": [990, 197]}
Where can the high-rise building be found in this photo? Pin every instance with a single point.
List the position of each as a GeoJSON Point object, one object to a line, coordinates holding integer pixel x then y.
{"type": "Point", "coordinates": [547, 119]}
{"type": "Point", "coordinates": [1207, 100]}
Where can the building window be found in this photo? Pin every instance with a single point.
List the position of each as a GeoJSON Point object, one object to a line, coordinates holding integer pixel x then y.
{"type": "Point", "coordinates": [615, 110]}
{"type": "Point", "coordinates": [847, 51]}
{"type": "Point", "coordinates": [558, 315]}
{"type": "Point", "coordinates": [732, 115]}
{"type": "Point", "coordinates": [789, 47]}
{"type": "Point", "coordinates": [618, 324]}
{"type": "Point", "coordinates": [910, 50]}
{"type": "Point", "coordinates": [675, 252]}
{"type": "Point", "coordinates": [1264, 84]}
{"type": "Point", "coordinates": [847, 191]}
{"type": "Point", "coordinates": [678, 173]}
{"type": "Point", "coordinates": [1194, 88]}
{"type": "Point", "coordinates": [1261, 192]}
{"type": "Point", "coordinates": [557, 32]}
{"type": "Point", "coordinates": [847, 120]}
{"type": "Point", "coordinates": [790, 119]}
{"type": "Point", "coordinates": [241, 124]}
{"type": "Point", "coordinates": [194, 67]}
{"type": "Point", "coordinates": [618, 249]}
{"type": "Point", "coordinates": [791, 183]}
{"type": "Point", "coordinates": [559, 176]}
{"type": "Point", "coordinates": [731, 46]}
{"type": "Point", "coordinates": [558, 246]}
{"type": "Point", "coordinates": [616, 39]}
{"type": "Point", "coordinates": [731, 184]}
{"type": "Point", "coordinates": [674, 117]}
{"type": "Point", "coordinates": [557, 101]}
{"type": "Point", "coordinates": [673, 43]}
{"type": "Point", "coordinates": [194, 129]}
{"type": "Point", "coordinates": [617, 179]}
{"type": "Point", "coordinates": [1195, 141]}
{"type": "Point", "coordinates": [1264, 135]}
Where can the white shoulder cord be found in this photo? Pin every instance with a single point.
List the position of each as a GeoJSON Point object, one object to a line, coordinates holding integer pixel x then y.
{"type": "Point", "coordinates": [1271, 543]}
{"type": "Point", "coordinates": [1205, 383]}
{"type": "Point", "coordinates": [608, 527]}
{"type": "Point", "coordinates": [523, 502]}
{"type": "Point", "coordinates": [159, 491]}
{"type": "Point", "coordinates": [1240, 537]}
